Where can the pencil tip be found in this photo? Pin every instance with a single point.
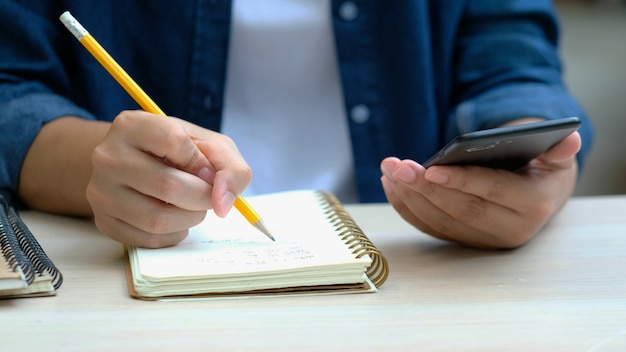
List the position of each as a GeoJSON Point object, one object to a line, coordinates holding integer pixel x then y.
{"type": "Point", "coordinates": [259, 225]}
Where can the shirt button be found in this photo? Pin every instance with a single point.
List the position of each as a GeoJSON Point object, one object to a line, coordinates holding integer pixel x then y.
{"type": "Point", "coordinates": [207, 101]}
{"type": "Point", "coordinates": [348, 11]}
{"type": "Point", "coordinates": [360, 113]}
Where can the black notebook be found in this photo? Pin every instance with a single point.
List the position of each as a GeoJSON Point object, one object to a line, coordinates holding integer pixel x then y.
{"type": "Point", "coordinates": [25, 269]}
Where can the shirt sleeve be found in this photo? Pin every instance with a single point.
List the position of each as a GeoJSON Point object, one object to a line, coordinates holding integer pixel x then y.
{"type": "Point", "coordinates": [507, 67]}
{"type": "Point", "coordinates": [34, 87]}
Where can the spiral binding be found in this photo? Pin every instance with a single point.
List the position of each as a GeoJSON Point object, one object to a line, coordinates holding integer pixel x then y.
{"type": "Point", "coordinates": [33, 250]}
{"type": "Point", "coordinates": [10, 246]}
{"type": "Point", "coordinates": [354, 237]}
{"type": "Point", "coordinates": [21, 249]}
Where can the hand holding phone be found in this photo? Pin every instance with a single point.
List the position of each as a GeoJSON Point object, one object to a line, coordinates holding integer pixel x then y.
{"type": "Point", "coordinates": [509, 148]}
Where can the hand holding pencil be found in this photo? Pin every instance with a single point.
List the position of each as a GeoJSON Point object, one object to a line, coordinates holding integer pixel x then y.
{"type": "Point", "coordinates": [153, 178]}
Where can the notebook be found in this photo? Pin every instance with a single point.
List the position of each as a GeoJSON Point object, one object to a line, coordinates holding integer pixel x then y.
{"type": "Point", "coordinates": [25, 269]}
{"type": "Point", "coordinates": [319, 249]}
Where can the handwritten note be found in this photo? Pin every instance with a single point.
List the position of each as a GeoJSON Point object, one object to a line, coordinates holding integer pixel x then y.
{"type": "Point", "coordinates": [230, 246]}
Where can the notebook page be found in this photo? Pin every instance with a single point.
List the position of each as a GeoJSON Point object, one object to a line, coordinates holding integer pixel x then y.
{"type": "Point", "coordinates": [10, 279]}
{"type": "Point", "coordinates": [231, 246]}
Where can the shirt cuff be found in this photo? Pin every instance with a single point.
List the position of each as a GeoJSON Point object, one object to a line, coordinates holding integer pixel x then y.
{"type": "Point", "coordinates": [21, 119]}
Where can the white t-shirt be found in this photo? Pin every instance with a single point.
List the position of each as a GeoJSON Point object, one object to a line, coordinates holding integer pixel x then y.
{"type": "Point", "coordinates": [284, 104]}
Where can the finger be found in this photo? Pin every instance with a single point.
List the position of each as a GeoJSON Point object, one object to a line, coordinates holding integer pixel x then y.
{"type": "Point", "coordinates": [482, 198]}
{"type": "Point", "coordinates": [562, 152]}
{"type": "Point", "coordinates": [125, 233]}
{"type": "Point", "coordinates": [411, 205]}
{"type": "Point", "coordinates": [498, 186]}
{"type": "Point", "coordinates": [437, 222]}
{"type": "Point", "coordinates": [141, 212]}
{"type": "Point", "coordinates": [150, 176]}
{"type": "Point", "coordinates": [166, 138]}
{"type": "Point", "coordinates": [168, 184]}
{"type": "Point", "coordinates": [232, 173]}
{"type": "Point", "coordinates": [454, 213]}
{"type": "Point", "coordinates": [410, 215]}
{"type": "Point", "coordinates": [401, 207]}
{"type": "Point", "coordinates": [479, 222]}
{"type": "Point", "coordinates": [510, 207]}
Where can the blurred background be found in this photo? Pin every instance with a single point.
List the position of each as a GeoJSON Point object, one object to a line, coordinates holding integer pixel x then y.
{"type": "Point", "coordinates": [593, 48]}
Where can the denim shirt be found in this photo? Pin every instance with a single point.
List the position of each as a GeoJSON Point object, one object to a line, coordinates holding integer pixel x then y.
{"type": "Point", "coordinates": [414, 73]}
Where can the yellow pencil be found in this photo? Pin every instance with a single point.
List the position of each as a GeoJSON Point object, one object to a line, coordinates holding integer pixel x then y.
{"type": "Point", "coordinates": [146, 103]}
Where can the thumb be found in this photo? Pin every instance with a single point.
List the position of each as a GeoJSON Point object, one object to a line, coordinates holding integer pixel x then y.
{"type": "Point", "coordinates": [562, 152]}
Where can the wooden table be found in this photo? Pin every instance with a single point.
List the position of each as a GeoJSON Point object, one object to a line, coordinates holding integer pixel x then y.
{"type": "Point", "coordinates": [564, 291]}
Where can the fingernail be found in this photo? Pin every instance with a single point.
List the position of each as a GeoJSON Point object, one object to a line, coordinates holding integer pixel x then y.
{"type": "Point", "coordinates": [405, 174]}
{"type": "Point", "coordinates": [386, 186]}
{"type": "Point", "coordinates": [438, 177]}
{"type": "Point", "coordinates": [387, 166]}
{"type": "Point", "coordinates": [227, 201]}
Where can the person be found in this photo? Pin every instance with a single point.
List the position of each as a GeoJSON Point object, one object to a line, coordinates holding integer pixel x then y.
{"type": "Point", "coordinates": [349, 96]}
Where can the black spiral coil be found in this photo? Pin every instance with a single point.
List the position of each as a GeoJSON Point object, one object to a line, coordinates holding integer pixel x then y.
{"type": "Point", "coordinates": [33, 250]}
{"type": "Point", "coordinates": [11, 248]}
{"type": "Point", "coordinates": [21, 249]}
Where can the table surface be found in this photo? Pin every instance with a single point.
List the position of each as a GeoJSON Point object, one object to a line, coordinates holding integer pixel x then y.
{"type": "Point", "coordinates": [563, 291]}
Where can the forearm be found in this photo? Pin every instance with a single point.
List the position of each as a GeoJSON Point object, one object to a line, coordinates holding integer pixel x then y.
{"type": "Point", "coordinates": [57, 167]}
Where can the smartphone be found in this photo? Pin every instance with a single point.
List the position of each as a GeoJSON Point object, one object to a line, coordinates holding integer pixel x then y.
{"type": "Point", "coordinates": [509, 148]}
